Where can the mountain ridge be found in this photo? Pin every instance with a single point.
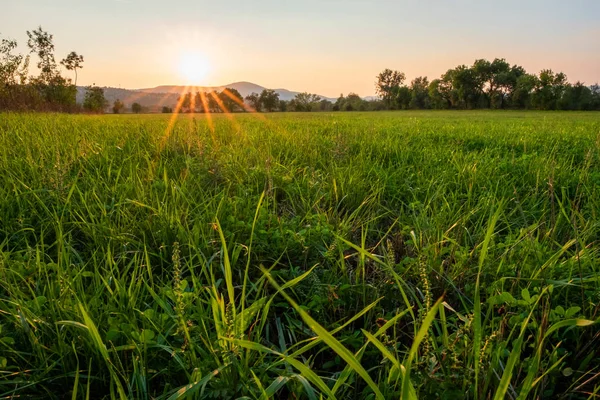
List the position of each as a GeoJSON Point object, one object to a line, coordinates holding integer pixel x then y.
{"type": "Point", "coordinates": [167, 95]}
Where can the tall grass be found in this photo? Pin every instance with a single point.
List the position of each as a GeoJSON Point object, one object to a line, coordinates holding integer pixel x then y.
{"type": "Point", "coordinates": [382, 255]}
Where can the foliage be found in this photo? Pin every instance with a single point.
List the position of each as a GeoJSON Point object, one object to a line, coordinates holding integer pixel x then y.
{"type": "Point", "coordinates": [486, 84]}
{"type": "Point", "coordinates": [269, 99]}
{"type": "Point", "coordinates": [388, 84]}
{"type": "Point", "coordinates": [94, 100]}
{"type": "Point", "coordinates": [304, 102]}
{"type": "Point", "coordinates": [49, 91]}
{"type": "Point", "coordinates": [136, 108]}
{"type": "Point", "coordinates": [118, 106]}
{"type": "Point", "coordinates": [73, 62]}
{"type": "Point", "coordinates": [397, 255]}
{"type": "Point", "coordinates": [254, 100]}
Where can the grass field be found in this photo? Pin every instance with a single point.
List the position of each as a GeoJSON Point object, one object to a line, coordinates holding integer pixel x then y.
{"type": "Point", "coordinates": [351, 256]}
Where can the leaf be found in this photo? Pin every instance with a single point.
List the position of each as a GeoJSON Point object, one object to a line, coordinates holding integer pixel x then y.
{"type": "Point", "coordinates": [244, 319]}
{"type": "Point", "coordinates": [332, 342]}
{"type": "Point", "coordinates": [572, 311]}
{"type": "Point", "coordinates": [192, 388]}
{"type": "Point", "coordinates": [407, 393]}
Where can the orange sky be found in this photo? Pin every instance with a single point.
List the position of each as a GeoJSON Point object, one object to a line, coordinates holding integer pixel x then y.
{"type": "Point", "coordinates": [326, 47]}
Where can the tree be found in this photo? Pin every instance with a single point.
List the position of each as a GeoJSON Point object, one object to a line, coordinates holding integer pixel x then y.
{"type": "Point", "coordinates": [419, 93]}
{"type": "Point", "coordinates": [13, 67]}
{"type": "Point", "coordinates": [136, 108]}
{"type": "Point", "coordinates": [283, 105]}
{"type": "Point", "coordinates": [185, 102]}
{"type": "Point", "coordinates": [167, 110]}
{"type": "Point", "coordinates": [388, 83]}
{"type": "Point", "coordinates": [213, 102]}
{"type": "Point", "coordinates": [269, 99]}
{"type": "Point", "coordinates": [94, 100]}
{"type": "Point", "coordinates": [466, 87]}
{"type": "Point", "coordinates": [72, 62]}
{"type": "Point", "coordinates": [254, 100]}
{"type": "Point", "coordinates": [41, 43]}
{"type": "Point", "coordinates": [402, 97]}
{"type": "Point", "coordinates": [232, 99]}
{"type": "Point", "coordinates": [439, 92]}
{"type": "Point", "coordinates": [305, 101]}
{"type": "Point", "coordinates": [489, 75]}
{"type": "Point", "coordinates": [576, 97]}
{"type": "Point", "coordinates": [521, 95]}
{"type": "Point", "coordinates": [506, 83]}
{"type": "Point", "coordinates": [118, 106]}
{"type": "Point", "coordinates": [325, 105]}
{"type": "Point", "coordinates": [550, 88]}
{"type": "Point", "coordinates": [595, 103]}
{"type": "Point", "coordinates": [13, 77]}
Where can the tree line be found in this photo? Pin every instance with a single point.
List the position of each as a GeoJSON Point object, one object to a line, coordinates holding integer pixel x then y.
{"type": "Point", "coordinates": [49, 90]}
{"type": "Point", "coordinates": [485, 84]}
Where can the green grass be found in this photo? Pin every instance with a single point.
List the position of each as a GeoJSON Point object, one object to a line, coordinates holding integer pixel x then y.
{"type": "Point", "coordinates": [382, 255]}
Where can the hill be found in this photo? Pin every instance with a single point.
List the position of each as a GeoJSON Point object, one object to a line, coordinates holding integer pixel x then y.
{"type": "Point", "coordinates": [166, 95]}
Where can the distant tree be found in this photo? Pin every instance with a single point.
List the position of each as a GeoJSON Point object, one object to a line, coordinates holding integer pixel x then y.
{"type": "Point", "coordinates": [402, 98]}
{"type": "Point", "coordinates": [167, 110]}
{"type": "Point", "coordinates": [494, 79]}
{"type": "Point", "coordinates": [118, 106]}
{"type": "Point", "coordinates": [136, 108]}
{"type": "Point", "coordinates": [506, 83]}
{"type": "Point", "coordinates": [57, 92]}
{"type": "Point", "coordinates": [13, 67]}
{"type": "Point", "coordinates": [419, 93]}
{"type": "Point", "coordinates": [576, 97]}
{"type": "Point", "coordinates": [549, 90]}
{"type": "Point", "coordinates": [41, 43]}
{"type": "Point", "coordinates": [595, 89]}
{"type": "Point", "coordinates": [269, 99]}
{"type": "Point", "coordinates": [466, 87]}
{"type": "Point", "coordinates": [94, 100]}
{"type": "Point", "coordinates": [439, 94]}
{"type": "Point", "coordinates": [213, 98]}
{"type": "Point", "coordinates": [339, 103]}
{"type": "Point", "coordinates": [352, 102]}
{"type": "Point", "coordinates": [306, 101]}
{"type": "Point", "coordinates": [254, 100]}
{"type": "Point", "coordinates": [325, 105]}
{"type": "Point", "coordinates": [524, 86]}
{"type": "Point", "coordinates": [232, 99]}
{"type": "Point", "coordinates": [73, 62]}
{"type": "Point", "coordinates": [283, 105]}
{"type": "Point", "coordinates": [387, 85]}
{"type": "Point", "coordinates": [185, 103]}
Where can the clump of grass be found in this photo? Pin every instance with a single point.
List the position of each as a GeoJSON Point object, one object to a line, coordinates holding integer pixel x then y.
{"type": "Point", "coordinates": [388, 255]}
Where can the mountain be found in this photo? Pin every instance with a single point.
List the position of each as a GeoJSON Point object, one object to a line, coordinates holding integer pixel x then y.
{"type": "Point", "coordinates": [245, 88]}
{"type": "Point", "coordinates": [166, 95]}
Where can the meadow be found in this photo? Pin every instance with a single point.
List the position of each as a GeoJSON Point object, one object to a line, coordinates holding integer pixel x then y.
{"type": "Point", "coordinates": [388, 255]}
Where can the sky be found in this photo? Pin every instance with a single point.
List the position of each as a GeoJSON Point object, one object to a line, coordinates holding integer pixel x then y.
{"type": "Point", "coordinates": [326, 47]}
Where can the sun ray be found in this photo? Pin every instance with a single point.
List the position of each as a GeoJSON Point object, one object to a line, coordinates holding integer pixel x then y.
{"type": "Point", "coordinates": [225, 110]}
{"type": "Point", "coordinates": [173, 118]}
{"type": "Point", "coordinates": [204, 101]}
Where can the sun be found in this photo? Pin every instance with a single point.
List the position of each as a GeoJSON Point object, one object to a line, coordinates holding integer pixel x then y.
{"type": "Point", "coordinates": [193, 67]}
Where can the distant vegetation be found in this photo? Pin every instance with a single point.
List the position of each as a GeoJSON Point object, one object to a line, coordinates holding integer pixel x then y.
{"type": "Point", "coordinates": [484, 85]}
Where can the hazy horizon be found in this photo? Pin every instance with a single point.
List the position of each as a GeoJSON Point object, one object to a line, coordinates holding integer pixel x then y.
{"type": "Point", "coordinates": [325, 47]}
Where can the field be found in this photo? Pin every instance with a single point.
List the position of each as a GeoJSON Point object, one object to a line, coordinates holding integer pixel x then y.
{"type": "Point", "coordinates": [351, 256]}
